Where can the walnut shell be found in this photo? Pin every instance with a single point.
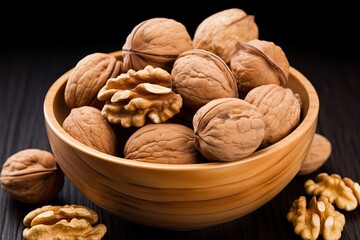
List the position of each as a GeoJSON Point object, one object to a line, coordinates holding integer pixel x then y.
{"type": "Point", "coordinates": [228, 129]}
{"type": "Point", "coordinates": [200, 76]}
{"type": "Point", "coordinates": [88, 76]}
{"type": "Point", "coordinates": [319, 152]}
{"type": "Point", "coordinates": [281, 110]}
{"type": "Point", "coordinates": [167, 143]}
{"type": "Point", "coordinates": [258, 62]}
{"type": "Point", "coordinates": [220, 32]}
{"type": "Point", "coordinates": [88, 126]}
{"type": "Point", "coordinates": [156, 42]}
{"type": "Point", "coordinates": [32, 176]}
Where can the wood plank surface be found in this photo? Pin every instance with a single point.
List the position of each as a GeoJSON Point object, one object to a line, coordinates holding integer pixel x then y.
{"type": "Point", "coordinates": [27, 70]}
{"type": "Point", "coordinates": [26, 76]}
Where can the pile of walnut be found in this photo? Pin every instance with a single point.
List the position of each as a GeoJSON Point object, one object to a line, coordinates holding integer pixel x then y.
{"type": "Point", "coordinates": [320, 217]}
{"type": "Point", "coordinates": [63, 222]}
{"type": "Point", "coordinates": [223, 92]}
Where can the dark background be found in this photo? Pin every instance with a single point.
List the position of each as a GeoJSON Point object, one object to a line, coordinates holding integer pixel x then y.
{"type": "Point", "coordinates": [328, 27]}
{"type": "Point", "coordinates": [41, 41]}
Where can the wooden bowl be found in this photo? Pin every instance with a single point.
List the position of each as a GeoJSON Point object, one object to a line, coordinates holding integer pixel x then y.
{"type": "Point", "coordinates": [181, 197]}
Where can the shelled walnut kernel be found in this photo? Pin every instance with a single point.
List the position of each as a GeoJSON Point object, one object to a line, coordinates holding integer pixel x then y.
{"type": "Point", "coordinates": [335, 188]}
{"type": "Point", "coordinates": [134, 96]}
{"type": "Point", "coordinates": [63, 222]}
{"type": "Point", "coordinates": [320, 218]}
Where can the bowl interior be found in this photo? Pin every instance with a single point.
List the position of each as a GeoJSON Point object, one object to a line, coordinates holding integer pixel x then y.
{"type": "Point", "coordinates": [56, 109]}
{"type": "Point", "coordinates": [181, 196]}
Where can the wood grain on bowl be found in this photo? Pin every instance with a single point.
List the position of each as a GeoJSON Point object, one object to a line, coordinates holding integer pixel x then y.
{"type": "Point", "coordinates": [181, 196]}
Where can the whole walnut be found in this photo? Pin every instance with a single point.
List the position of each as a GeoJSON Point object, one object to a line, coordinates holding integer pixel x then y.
{"type": "Point", "coordinates": [88, 76]}
{"type": "Point", "coordinates": [258, 62]}
{"type": "Point", "coordinates": [228, 129]}
{"type": "Point", "coordinates": [32, 176]}
{"type": "Point", "coordinates": [156, 42]}
{"type": "Point", "coordinates": [220, 32]}
{"type": "Point", "coordinates": [167, 143]}
{"type": "Point", "coordinates": [200, 76]}
{"type": "Point", "coordinates": [88, 126]}
{"type": "Point", "coordinates": [281, 110]}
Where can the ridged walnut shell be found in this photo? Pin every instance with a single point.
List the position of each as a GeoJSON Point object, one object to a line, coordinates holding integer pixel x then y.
{"type": "Point", "coordinates": [167, 143]}
{"type": "Point", "coordinates": [32, 176]}
{"type": "Point", "coordinates": [228, 129]}
{"type": "Point", "coordinates": [156, 42]}
{"type": "Point", "coordinates": [88, 76]}
{"type": "Point", "coordinates": [200, 76]}
{"type": "Point", "coordinates": [281, 110]}
{"type": "Point", "coordinates": [319, 153]}
{"type": "Point", "coordinates": [88, 126]}
{"type": "Point", "coordinates": [220, 32]}
{"type": "Point", "coordinates": [258, 62]}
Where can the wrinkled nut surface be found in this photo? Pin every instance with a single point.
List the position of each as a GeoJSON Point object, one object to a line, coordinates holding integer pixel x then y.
{"type": "Point", "coordinates": [32, 176]}
{"type": "Point", "coordinates": [355, 187]}
{"type": "Point", "coordinates": [167, 143]}
{"type": "Point", "coordinates": [319, 153]}
{"type": "Point", "coordinates": [280, 108]}
{"type": "Point", "coordinates": [88, 76]}
{"type": "Point", "coordinates": [228, 129]}
{"type": "Point", "coordinates": [220, 32]}
{"type": "Point", "coordinates": [88, 126]}
{"type": "Point", "coordinates": [156, 42]}
{"type": "Point", "coordinates": [258, 62]}
{"type": "Point", "coordinates": [335, 189]}
{"type": "Point", "coordinates": [136, 96]}
{"type": "Point", "coordinates": [319, 218]}
{"type": "Point", "coordinates": [200, 76]}
{"type": "Point", "coordinates": [62, 222]}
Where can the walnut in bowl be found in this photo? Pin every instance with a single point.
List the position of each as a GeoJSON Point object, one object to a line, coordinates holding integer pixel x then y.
{"type": "Point", "coordinates": [181, 196]}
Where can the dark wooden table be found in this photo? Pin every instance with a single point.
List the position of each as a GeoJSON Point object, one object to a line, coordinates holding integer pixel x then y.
{"type": "Point", "coordinates": [27, 71]}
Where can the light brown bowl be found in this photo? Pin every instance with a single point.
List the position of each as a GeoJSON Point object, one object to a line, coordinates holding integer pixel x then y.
{"type": "Point", "coordinates": [181, 197]}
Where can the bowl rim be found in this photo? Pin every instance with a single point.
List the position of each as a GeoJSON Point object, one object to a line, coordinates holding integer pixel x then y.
{"type": "Point", "coordinates": [51, 121]}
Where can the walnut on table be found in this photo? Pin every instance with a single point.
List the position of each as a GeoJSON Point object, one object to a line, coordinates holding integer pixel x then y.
{"type": "Point", "coordinates": [343, 192]}
{"type": "Point", "coordinates": [355, 187]}
{"type": "Point", "coordinates": [32, 176]}
{"type": "Point", "coordinates": [320, 218]}
{"type": "Point", "coordinates": [63, 222]}
{"type": "Point", "coordinates": [319, 153]}
{"type": "Point", "coordinates": [135, 96]}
